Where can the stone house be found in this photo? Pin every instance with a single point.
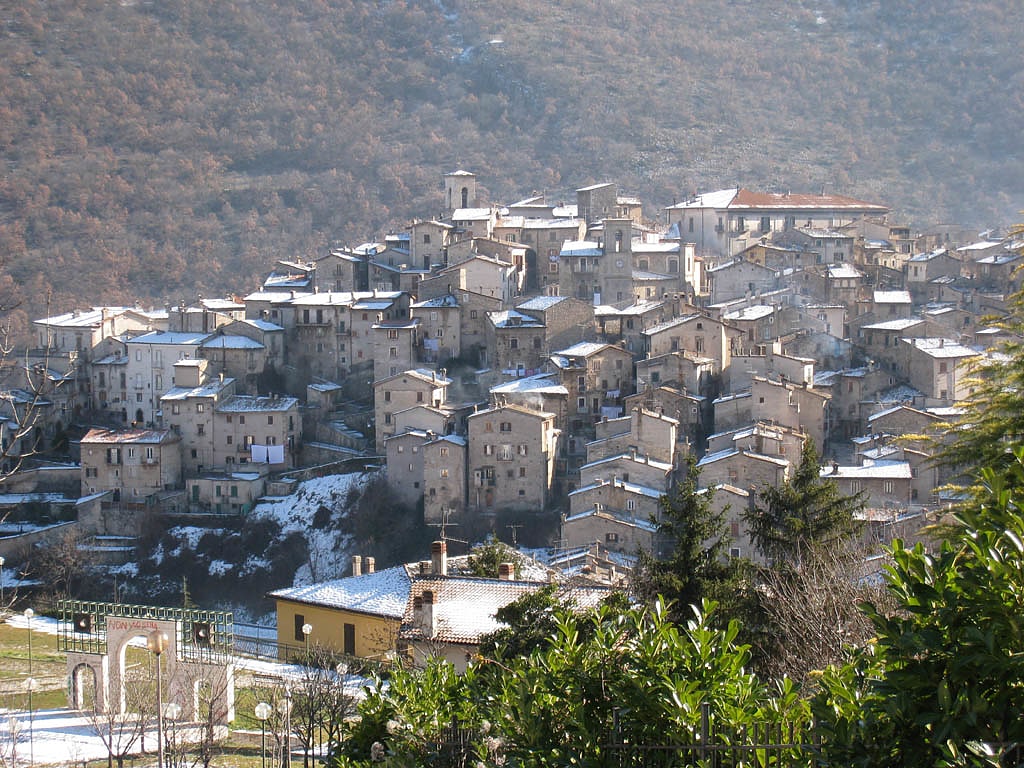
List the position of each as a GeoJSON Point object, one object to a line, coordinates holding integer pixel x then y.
{"type": "Point", "coordinates": [627, 325]}
{"type": "Point", "coordinates": [428, 243]}
{"type": "Point", "coordinates": [341, 270]}
{"type": "Point", "coordinates": [829, 245]}
{"type": "Point", "coordinates": [616, 531]}
{"type": "Point", "coordinates": [631, 467]}
{"type": "Point", "coordinates": [939, 368]}
{"type": "Point", "coordinates": [697, 333]}
{"type": "Point", "coordinates": [240, 357]}
{"type": "Point", "coordinates": [410, 388]}
{"type": "Point", "coordinates": [150, 369]}
{"type": "Point", "coordinates": [82, 331]}
{"type": "Point", "coordinates": [566, 320]}
{"type": "Point", "coordinates": [725, 222]}
{"type": "Point", "coordinates": [799, 406]}
{"type": "Point", "coordinates": [444, 478]}
{"type": "Point", "coordinates": [224, 493]}
{"type": "Point", "coordinates": [886, 484]}
{"type": "Point", "coordinates": [756, 324]}
{"type": "Point", "coordinates": [644, 432]}
{"type": "Point", "coordinates": [135, 464]}
{"type": "Point", "coordinates": [739, 278]}
{"type": "Point", "coordinates": [511, 458]}
{"type": "Point", "coordinates": [743, 468]}
{"type": "Point", "coordinates": [440, 327]}
{"type": "Point", "coordinates": [397, 346]}
{"type": "Point", "coordinates": [596, 377]}
{"type": "Point", "coordinates": [692, 412]}
{"type": "Point", "coordinates": [515, 345]}
{"type": "Point", "coordinates": [404, 453]}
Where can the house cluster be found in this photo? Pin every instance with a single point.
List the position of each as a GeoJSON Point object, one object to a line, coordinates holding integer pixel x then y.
{"type": "Point", "coordinates": [550, 358]}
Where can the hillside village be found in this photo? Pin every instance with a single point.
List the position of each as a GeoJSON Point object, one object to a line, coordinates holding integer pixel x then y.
{"type": "Point", "coordinates": [551, 362]}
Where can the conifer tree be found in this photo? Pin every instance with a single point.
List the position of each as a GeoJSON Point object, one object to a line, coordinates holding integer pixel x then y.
{"type": "Point", "coordinates": [806, 512]}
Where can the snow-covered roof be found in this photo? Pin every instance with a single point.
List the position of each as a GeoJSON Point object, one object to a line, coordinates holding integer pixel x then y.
{"type": "Point", "coordinates": [581, 248]}
{"type": "Point", "coordinates": [871, 470]}
{"type": "Point", "coordinates": [941, 348]}
{"type": "Point", "coordinates": [719, 199]}
{"type": "Point", "coordinates": [510, 318]}
{"type": "Point", "coordinates": [894, 325]}
{"type": "Point", "coordinates": [541, 303]}
{"type": "Point", "coordinates": [227, 341]}
{"type": "Point", "coordinates": [755, 312]}
{"type": "Point", "coordinates": [843, 271]}
{"type": "Point", "coordinates": [892, 297]}
{"type": "Point", "coordinates": [541, 383]}
{"type": "Point", "coordinates": [170, 337]}
{"type": "Point", "coordinates": [383, 593]}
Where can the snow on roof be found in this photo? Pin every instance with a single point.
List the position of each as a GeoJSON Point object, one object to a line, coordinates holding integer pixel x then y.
{"type": "Point", "coordinates": [870, 470]}
{"type": "Point", "coordinates": [207, 389]}
{"type": "Point", "coordinates": [79, 319]}
{"type": "Point", "coordinates": [581, 248]}
{"type": "Point", "coordinates": [894, 325]}
{"type": "Point", "coordinates": [755, 312]}
{"type": "Point", "coordinates": [510, 318]}
{"type": "Point", "coordinates": [115, 436]}
{"type": "Point", "coordinates": [543, 383]}
{"type": "Point", "coordinates": [383, 593]}
{"type": "Point", "coordinates": [583, 349]}
{"type": "Point", "coordinates": [892, 297]}
{"type": "Point", "coordinates": [842, 271]}
{"type": "Point", "coordinates": [719, 199]}
{"type": "Point", "coordinates": [227, 341]}
{"type": "Point", "coordinates": [541, 303]}
{"type": "Point", "coordinates": [622, 519]}
{"type": "Point", "coordinates": [250, 403]}
{"type": "Point", "coordinates": [642, 490]}
{"type": "Point", "coordinates": [669, 324]}
{"type": "Point", "coordinates": [471, 214]}
{"type": "Point", "coordinates": [263, 325]}
{"type": "Point", "coordinates": [170, 337]}
{"type": "Point", "coordinates": [636, 459]}
{"type": "Point", "coordinates": [446, 301]}
{"type": "Point", "coordinates": [941, 348]}
{"type": "Point", "coordinates": [979, 246]}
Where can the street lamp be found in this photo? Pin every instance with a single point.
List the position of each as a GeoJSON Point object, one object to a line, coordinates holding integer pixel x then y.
{"type": "Point", "coordinates": [29, 613]}
{"type": "Point", "coordinates": [30, 685]}
{"type": "Point", "coordinates": [156, 642]}
{"type": "Point", "coordinates": [263, 711]}
{"type": "Point", "coordinates": [307, 630]}
{"type": "Point", "coordinates": [2, 561]}
{"type": "Point", "coordinates": [285, 708]}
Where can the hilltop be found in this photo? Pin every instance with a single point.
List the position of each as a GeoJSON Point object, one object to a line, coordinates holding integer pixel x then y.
{"type": "Point", "coordinates": [154, 150]}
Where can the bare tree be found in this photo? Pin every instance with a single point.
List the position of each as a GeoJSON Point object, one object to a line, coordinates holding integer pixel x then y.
{"type": "Point", "coordinates": [196, 743]}
{"type": "Point", "coordinates": [120, 731]}
{"type": "Point", "coordinates": [813, 610]}
{"type": "Point", "coordinates": [321, 702]}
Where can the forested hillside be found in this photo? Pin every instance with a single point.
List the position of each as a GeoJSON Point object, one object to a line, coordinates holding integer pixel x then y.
{"type": "Point", "coordinates": [156, 149]}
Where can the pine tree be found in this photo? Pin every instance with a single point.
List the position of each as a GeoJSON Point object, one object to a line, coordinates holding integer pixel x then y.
{"type": "Point", "coordinates": [691, 559]}
{"type": "Point", "coordinates": [806, 512]}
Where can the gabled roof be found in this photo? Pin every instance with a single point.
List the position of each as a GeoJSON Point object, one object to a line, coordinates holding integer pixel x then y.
{"type": "Point", "coordinates": [168, 337]}
{"type": "Point", "coordinates": [120, 436]}
{"type": "Point", "coordinates": [384, 593]}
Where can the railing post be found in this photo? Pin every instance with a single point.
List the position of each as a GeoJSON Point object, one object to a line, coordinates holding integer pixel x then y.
{"type": "Point", "coordinates": [705, 730]}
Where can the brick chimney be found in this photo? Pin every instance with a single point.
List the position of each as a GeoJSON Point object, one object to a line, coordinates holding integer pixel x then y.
{"type": "Point", "coordinates": [439, 558]}
{"type": "Point", "coordinates": [423, 613]}
{"type": "Point", "coordinates": [357, 565]}
{"type": "Point", "coordinates": [506, 571]}
{"type": "Point", "coordinates": [371, 564]}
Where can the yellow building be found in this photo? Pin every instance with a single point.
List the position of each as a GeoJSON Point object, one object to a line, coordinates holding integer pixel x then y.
{"type": "Point", "coordinates": [358, 616]}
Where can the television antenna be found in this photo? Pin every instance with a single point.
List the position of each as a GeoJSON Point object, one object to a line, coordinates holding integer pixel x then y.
{"type": "Point", "coordinates": [446, 513]}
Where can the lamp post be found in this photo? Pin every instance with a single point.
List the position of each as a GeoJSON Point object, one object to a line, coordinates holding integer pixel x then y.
{"type": "Point", "coordinates": [285, 708]}
{"type": "Point", "coordinates": [29, 613]}
{"type": "Point", "coordinates": [307, 630]}
{"type": "Point", "coordinates": [156, 642]}
{"type": "Point", "coordinates": [262, 713]}
{"type": "Point", "coordinates": [30, 685]}
{"type": "Point", "coordinates": [2, 561]}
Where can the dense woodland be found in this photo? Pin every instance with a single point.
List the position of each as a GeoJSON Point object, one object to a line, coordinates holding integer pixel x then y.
{"type": "Point", "coordinates": [153, 150]}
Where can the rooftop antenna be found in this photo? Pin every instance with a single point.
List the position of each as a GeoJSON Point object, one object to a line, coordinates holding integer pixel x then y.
{"type": "Point", "coordinates": [446, 513]}
{"type": "Point", "coordinates": [514, 527]}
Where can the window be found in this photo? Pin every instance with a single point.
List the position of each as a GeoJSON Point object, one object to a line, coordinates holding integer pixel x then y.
{"type": "Point", "coordinates": [426, 239]}
{"type": "Point", "coordinates": [472, 314]}
{"type": "Point", "coordinates": [488, 450]}
{"type": "Point", "coordinates": [200, 407]}
{"type": "Point", "coordinates": [216, 490]}
{"type": "Point", "coordinates": [270, 419]}
{"type": "Point", "coordinates": [513, 343]}
{"type": "Point", "coordinates": [444, 473]}
{"type": "Point", "coordinates": [888, 486]}
{"type": "Point", "coordinates": [419, 397]}
{"type": "Point", "coordinates": [200, 429]}
{"type": "Point", "coordinates": [176, 409]}
{"type": "Point", "coordinates": [241, 419]}
{"type": "Point", "coordinates": [506, 426]}
{"type": "Point", "coordinates": [443, 451]}
{"type": "Point", "coordinates": [149, 452]}
{"type": "Point", "coordinates": [942, 367]}
{"type": "Point", "coordinates": [631, 505]}
{"type": "Point", "coordinates": [300, 621]}
{"type": "Point", "coordinates": [522, 449]}
{"type": "Point", "coordinates": [387, 418]}
{"type": "Point", "coordinates": [349, 642]}
{"type": "Point", "coordinates": [231, 439]}
{"type": "Point", "coordinates": [611, 538]}
{"type": "Point", "coordinates": [536, 343]}
{"type": "Point", "coordinates": [766, 223]}
{"type": "Point", "coordinates": [522, 471]}
{"type": "Point", "coordinates": [387, 396]}
{"type": "Point", "coordinates": [401, 449]}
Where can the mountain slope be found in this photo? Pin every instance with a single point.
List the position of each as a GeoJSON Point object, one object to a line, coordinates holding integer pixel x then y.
{"type": "Point", "coordinates": [154, 150]}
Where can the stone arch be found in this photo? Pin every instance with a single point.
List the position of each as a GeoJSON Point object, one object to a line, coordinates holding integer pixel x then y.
{"type": "Point", "coordinates": [80, 675]}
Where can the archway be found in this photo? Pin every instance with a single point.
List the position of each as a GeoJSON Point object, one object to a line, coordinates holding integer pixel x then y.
{"type": "Point", "coordinates": [83, 688]}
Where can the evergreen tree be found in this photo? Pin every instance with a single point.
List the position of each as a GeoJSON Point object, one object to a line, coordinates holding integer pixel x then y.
{"type": "Point", "coordinates": [992, 418]}
{"type": "Point", "coordinates": [793, 519]}
{"type": "Point", "coordinates": [690, 565]}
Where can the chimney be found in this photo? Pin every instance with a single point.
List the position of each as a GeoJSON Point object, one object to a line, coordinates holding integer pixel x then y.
{"type": "Point", "coordinates": [424, 567]}
{"type": "Point", "coordinates": [439, 558]}
{"type": "Point", "coordinates": [835, 467]}
{"type": "Point", "coordinates": [423, 613]}
{"type": "Point", "coordinates": [371, 564]}
{"type": "Point", "coordinates": [357, 565]}
{"type": "Point", "coordinates": [506, 572]}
